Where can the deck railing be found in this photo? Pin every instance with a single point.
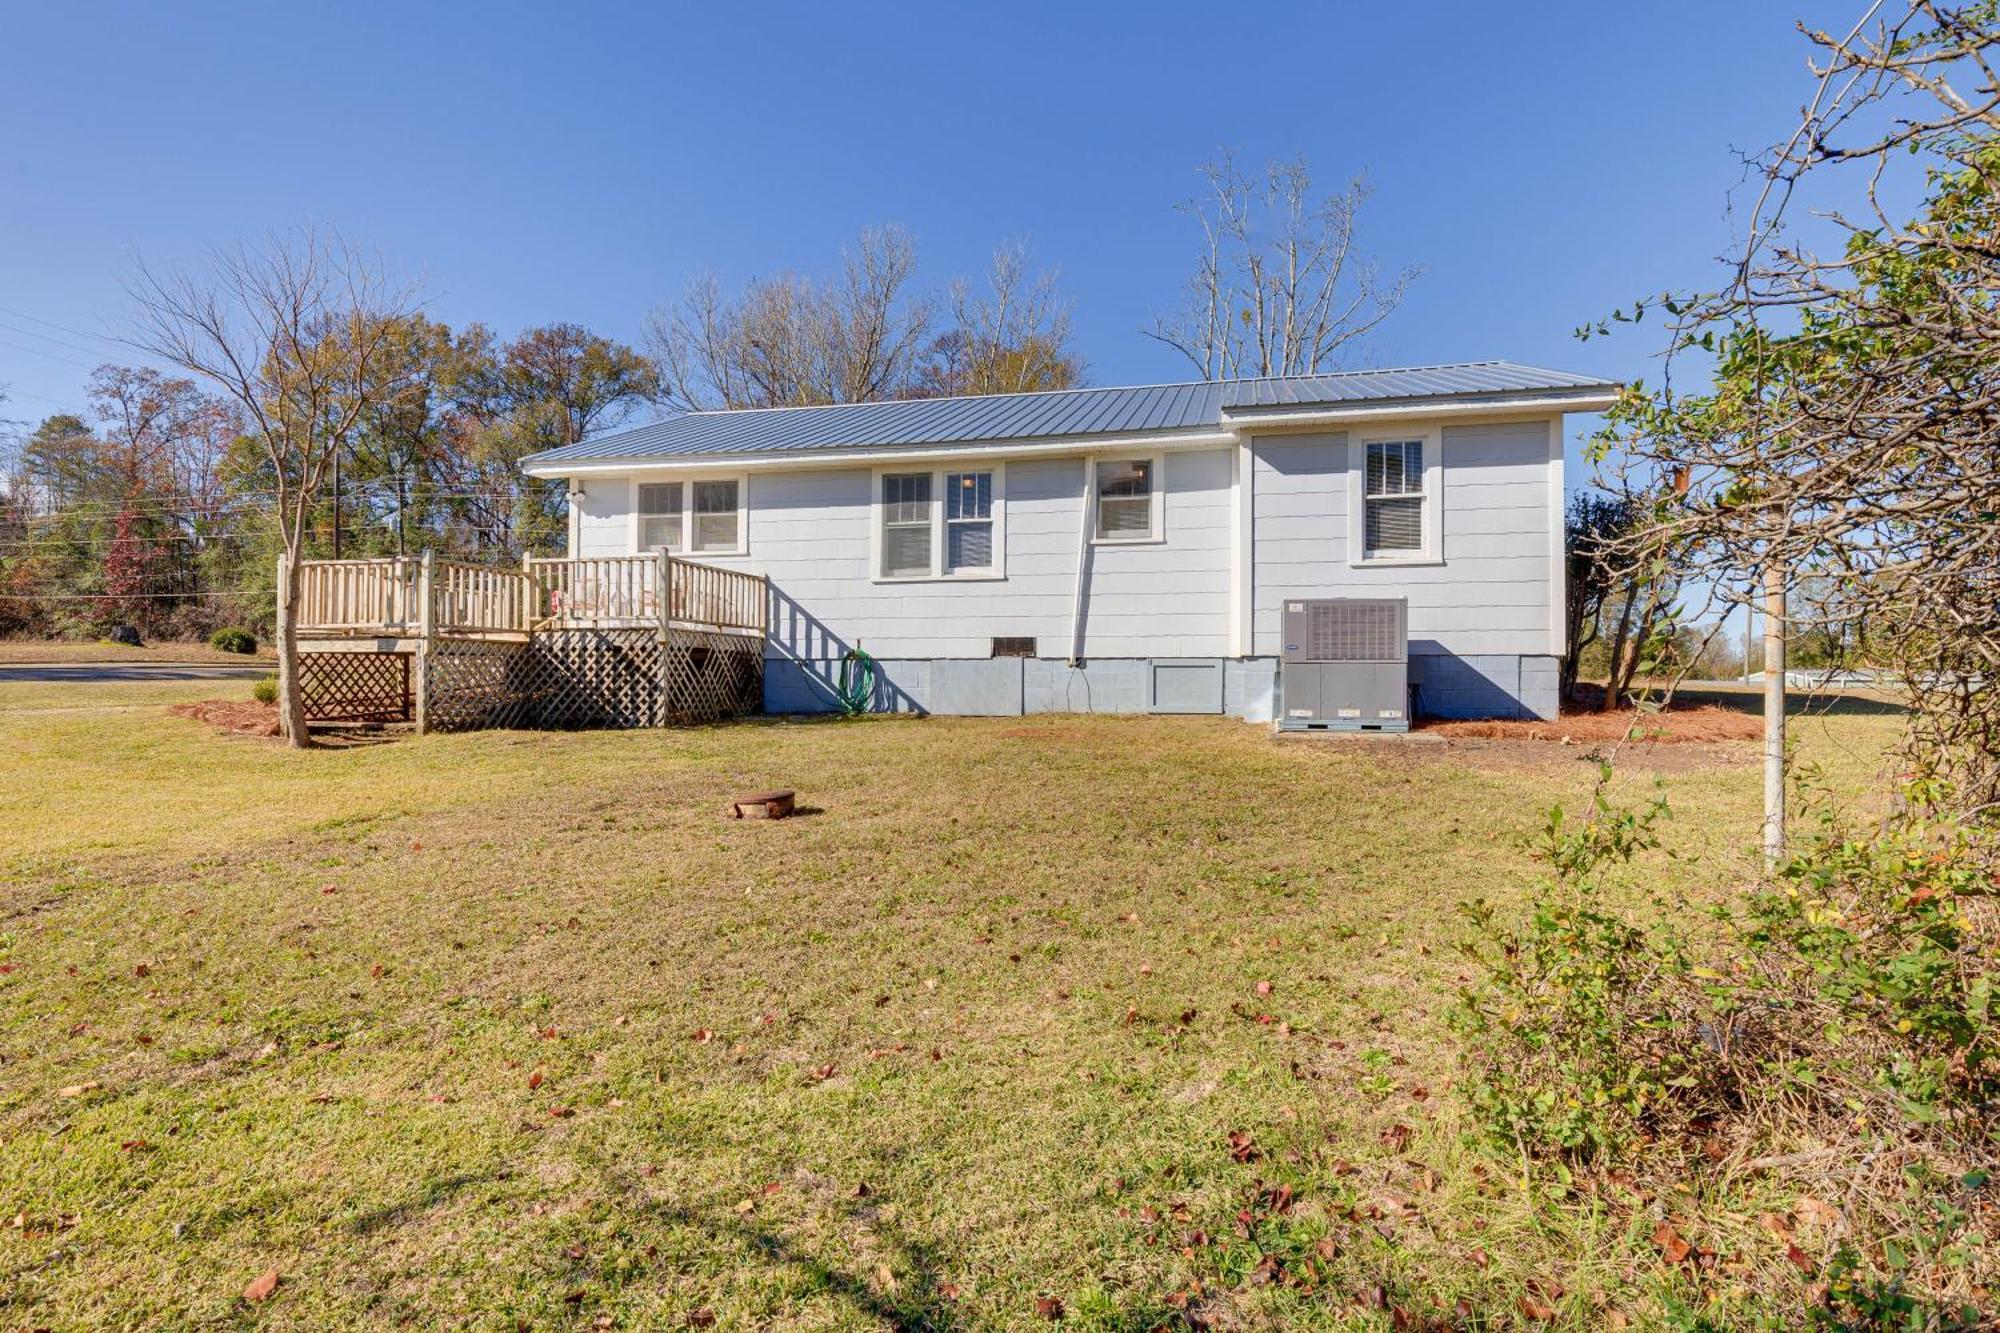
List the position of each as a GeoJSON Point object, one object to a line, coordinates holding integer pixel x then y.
{"type": "Point", "coordinates": [420, 596]}
{"type": "Point", "coordinates": [375, 596]}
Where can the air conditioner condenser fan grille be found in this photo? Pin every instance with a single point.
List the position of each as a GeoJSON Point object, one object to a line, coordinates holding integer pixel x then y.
{"type": "Point", "coordinates": [1354, 631]}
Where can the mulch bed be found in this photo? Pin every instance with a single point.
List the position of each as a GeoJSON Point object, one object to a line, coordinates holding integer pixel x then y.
{"type": "Point", "coordinates": [233, 715]}
{"type": "Point", "coordinates": [1675, 726]}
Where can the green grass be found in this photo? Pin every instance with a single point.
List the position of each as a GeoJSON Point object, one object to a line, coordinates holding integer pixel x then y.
{"type": "Point", "coordinates": [515, 1029]}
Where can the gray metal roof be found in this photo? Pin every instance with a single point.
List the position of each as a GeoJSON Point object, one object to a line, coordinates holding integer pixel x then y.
{"type": "Point", "coordinates": [919, 422]}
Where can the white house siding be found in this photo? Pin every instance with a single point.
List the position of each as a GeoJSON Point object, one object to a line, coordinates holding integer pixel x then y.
{"type": "Point", "coordinates": [1491, 594]}
{"type": "Point", "coordinates": [1481, 621]}
{"type": "Point", "coordinates": [603, 516]}
{"type": "Point", "coordinates": [810, 531]}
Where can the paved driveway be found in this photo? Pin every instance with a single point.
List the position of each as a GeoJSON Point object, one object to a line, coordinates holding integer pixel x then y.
{"type": "Point", "coordinates": [100, 673]}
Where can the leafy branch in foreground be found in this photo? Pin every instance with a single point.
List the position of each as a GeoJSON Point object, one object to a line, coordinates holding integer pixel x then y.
{"type": "Point", "coordinates": [1837, 1037]}
{"type": "Point", "coordinates": [1851, 434]}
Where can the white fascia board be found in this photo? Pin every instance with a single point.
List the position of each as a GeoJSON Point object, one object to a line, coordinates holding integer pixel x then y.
{"type": "Point", "coordinates": [1539, 405]}
{"type": "Point", "coordinates": [1207, 439]}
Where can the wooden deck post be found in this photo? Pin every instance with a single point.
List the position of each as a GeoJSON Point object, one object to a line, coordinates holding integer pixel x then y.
{"type": "Point", "coordinates": [425, 621]}
{"type": "Point", "coordinates": [665, 655]}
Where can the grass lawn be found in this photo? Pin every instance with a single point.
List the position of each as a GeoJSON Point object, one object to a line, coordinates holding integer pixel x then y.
{"type": "Point", "coordinates": [55, 651]}
{"type": "Point", "coordinates": [1044, 1015]}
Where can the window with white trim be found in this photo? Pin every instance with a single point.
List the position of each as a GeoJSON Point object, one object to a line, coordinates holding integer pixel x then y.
{"type": "Point", "coordinates": [906, 525]}
{"type": "Point", "coordinates": [1127, 500]}
{"type": "Point", "coordinates": [702, 516]}
{"type": "Point", "coordinates": [968, 522]}
{"type": "Point", "coordinates": [1393, 499]}
{"type": "Point", "coordinates": [660, 516]}
{"type": "Point", "coordinates": [940, 524]}
{"type": "Point", "coordinates": [718, 516]}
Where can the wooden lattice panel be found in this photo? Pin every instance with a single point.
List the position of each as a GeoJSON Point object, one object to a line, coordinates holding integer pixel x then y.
{"type": "Point", "coordinates": [474, 683]}
{"type": "Point", "coordinates": [595, 678]}
{"type": "Point", "coordinates": [355, 687]}
{"type": "Point", "coordinates": [709, 677]}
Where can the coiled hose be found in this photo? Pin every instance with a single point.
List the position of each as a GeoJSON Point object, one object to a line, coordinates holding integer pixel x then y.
{"type": "Point", "coordinates": [857, 682]}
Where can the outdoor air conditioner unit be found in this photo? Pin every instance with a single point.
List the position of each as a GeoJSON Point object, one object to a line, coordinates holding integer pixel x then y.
{"type": "Point", "coordinates": [1346, 665]}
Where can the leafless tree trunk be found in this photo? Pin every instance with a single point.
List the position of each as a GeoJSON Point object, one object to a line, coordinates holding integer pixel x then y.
{"type": "Point", "coordinates": [291, 332]}
{"type": "Point", "coordinates": [1278, 288]}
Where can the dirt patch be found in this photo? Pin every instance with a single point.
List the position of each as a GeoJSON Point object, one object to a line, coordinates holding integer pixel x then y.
{"type": "Point", "coordinates": [234, 715]}
{"type": "Point", "coordinates": [53, 652]}
{"type": "Point", "coordinates": [1678, 726]}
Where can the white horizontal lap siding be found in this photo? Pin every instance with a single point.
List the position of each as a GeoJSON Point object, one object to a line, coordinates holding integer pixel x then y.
{"type": "Point", "coordinates": [1493, 591]}
{"type": "Point", "coordinates": [811, 532]}
{"type": "Point", "coordinates": [604, 517]}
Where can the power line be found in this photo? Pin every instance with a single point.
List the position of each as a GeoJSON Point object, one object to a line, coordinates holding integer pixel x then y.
{"type": "Point", "coordinates": [43, 337]}
{"type": "Point", "coordinates": [66, 328]}
{"type": "Point", "coordinates": [34, 351]}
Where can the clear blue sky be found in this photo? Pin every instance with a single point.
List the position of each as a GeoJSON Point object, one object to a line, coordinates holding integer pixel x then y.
{"type": "Point", "coordinates": [529, 163]}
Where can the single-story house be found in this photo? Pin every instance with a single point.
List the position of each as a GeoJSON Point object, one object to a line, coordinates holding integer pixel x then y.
{"type": "Point", "coordinates": [1118, 549]}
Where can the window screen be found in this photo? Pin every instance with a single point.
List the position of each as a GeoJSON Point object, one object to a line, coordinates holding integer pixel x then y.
{"type": "Point", "coordinates": [1395, 496]}
{"type": "Point", "coordinates": [1125, 500]}
{"type": "Point", "coordinates": [906, 525]}
{"type": "Point", "coordinates": [968, 520]}
{"type": "Point", "coordinates": [715, 516]}
{"type": "Point", "coordinates": [660, 516]}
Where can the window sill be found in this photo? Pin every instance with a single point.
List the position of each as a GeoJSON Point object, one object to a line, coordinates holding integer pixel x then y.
{"type": "Point", "coordinates": [940, 578]}
{"type": "Point", "coordinates": [1395, 562]}
{"type": "Point", "coordinates": [1128, 541]}
{"type": "Point", "coordinates": [735, 553]}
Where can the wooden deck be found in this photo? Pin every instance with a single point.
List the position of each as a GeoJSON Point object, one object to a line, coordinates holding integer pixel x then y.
{"type": "Point", "coordinates": [612, 641]}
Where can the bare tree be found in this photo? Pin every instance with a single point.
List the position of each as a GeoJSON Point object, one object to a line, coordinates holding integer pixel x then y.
{"type": "Point", "coordinates": [1012, 337]}
{"type": "Point", "coordinates": [292, 332]}
{"type": "Point", "coordinates": [1279, 288]}
{"type": "Point", "coordinates": [791, 341]}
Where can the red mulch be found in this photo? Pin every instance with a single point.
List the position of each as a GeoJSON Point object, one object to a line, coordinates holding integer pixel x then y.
{"type": "Point", "coordinates": [1675, 726]}
{"type": "Point", "coordinates": [235, 715]}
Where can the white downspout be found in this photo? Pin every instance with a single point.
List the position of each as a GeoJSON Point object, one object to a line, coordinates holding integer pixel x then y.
{"type": "Point", "coordinates": [1085, 508]}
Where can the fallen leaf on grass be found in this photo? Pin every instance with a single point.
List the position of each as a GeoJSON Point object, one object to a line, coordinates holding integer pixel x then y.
{"type": "Point", "coordinates": [1242, 1147]}
{"type": "Point", "coordinates": [78, 1089]}
{"type": "Point", "coordinates": [142, 971]}
{"type": "Point", "coordinates": [262, 1286]}
{"type": "Point", "coordinates": [1774, 1224]}
{"type": "Point", "coordinates": [534, 1080]}
{"type": "Point", "coordinates": [1048, 1307]}
{"type": "Point", "coordinates": [561, 1112]}
{"type": "Point", "coordinates": [1396, 1137]}
{"type": "Point", "coordinates": [1536, 1310]}
{"type": "Point", "coordinates": [1672, 1248]}
{"type": "Point", "coordinates": [1799, 1259]}
{"type": "Point", "coordinates": [702, 1318]}
{"type": "Point", "coordinates": [701, 1036]}
{"type": "Point", "coordinates": [948, 1290]}
{"type": "Point", "coordinates": [1263, 988]}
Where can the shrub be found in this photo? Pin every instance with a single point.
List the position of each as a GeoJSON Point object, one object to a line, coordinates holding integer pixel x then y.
{"type": "Point", "coordinates": [1849, 1005]}
{"type": "Point", "coordinates": [233, 640]}
{"type": "Point", "coordinates": [265, 691]}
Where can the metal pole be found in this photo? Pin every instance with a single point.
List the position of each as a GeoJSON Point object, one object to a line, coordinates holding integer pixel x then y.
{"type": "Point", "coordinates": [1749, 635]}
{"type": "Point", "coordinates": [1774, 715]}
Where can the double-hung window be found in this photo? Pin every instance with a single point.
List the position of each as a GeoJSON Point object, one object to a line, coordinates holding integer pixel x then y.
{"type": "Point", "coordinates": [1394, 499]}
{"type": "Point", "coordinates": [660, 516]}
{"type": "Point", "coordinates": [1128, 499]}
{"type": "Point", "coordinates": [692, 517]}
{"type": "Point", "coordinates": [906, 525]}
{"type": "Point", "coordinates": [938, 524]}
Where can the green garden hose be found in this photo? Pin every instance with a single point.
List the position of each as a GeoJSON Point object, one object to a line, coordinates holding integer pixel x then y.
{"type": "Point", "coordinates": [857, 682]}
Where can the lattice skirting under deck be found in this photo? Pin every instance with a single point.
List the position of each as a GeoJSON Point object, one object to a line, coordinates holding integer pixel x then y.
{"type": "Point", "coordinates": [356, 687]}
{"type": "Point", "coordinates": [594, 678]}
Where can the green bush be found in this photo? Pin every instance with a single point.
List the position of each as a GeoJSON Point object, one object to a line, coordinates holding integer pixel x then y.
{"type": "Point", "coordinates": [265, 691]}
{"type": "Point", "coordinates": [233, 640]}
{"type": "Point", "coordinates": [1848, 1004]}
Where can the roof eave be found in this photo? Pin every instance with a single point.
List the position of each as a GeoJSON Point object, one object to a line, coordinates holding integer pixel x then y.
{"type": "Point", "coordinates": [551, 468]}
